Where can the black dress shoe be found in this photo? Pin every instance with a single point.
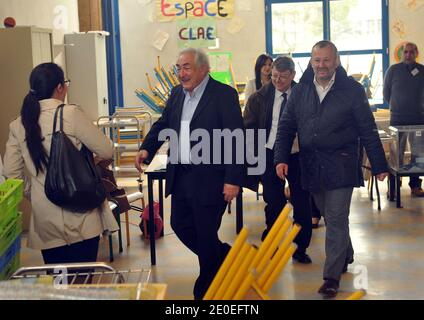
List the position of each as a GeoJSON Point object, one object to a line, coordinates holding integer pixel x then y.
{"type": "Point", "coordinates": [302, 257]}
{"type": "Point", "coordinates": [349, 261]}
{"type": "Point", "coordinates": [330, 288]}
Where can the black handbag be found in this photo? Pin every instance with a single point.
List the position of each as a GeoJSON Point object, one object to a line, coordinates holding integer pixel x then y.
{"type": "Point", "coordinates": [72, 181]}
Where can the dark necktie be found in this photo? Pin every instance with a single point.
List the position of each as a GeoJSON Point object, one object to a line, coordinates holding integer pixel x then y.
{"type": "Point", "coordinates": [283, 104]}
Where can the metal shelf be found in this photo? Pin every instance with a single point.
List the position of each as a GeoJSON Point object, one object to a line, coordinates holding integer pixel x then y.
{"type": "Point", "coordinates": [126, 128]}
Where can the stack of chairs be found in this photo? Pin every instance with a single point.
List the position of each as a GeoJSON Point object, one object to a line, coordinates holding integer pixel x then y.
{"type": "Point", "coordinates": [358, 295]}
{"type": "Point", "coordinates": [249, 272]}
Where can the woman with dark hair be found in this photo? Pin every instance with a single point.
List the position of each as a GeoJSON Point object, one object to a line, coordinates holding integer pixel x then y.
{"type": "Point", "coordinates": [61, 235]}
{"type": "Point", "coordinates": [262, 75]}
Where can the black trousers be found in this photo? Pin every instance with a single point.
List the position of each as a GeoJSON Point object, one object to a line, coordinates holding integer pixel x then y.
{"type": "Point", "coordinates": [273, 192]}
{"type": "Point", "coordinates": [314, 209]}
{"type": "Point", "coordinates": [300, 199]}
{"type": "Point", "coordinates": [197, 225]}
{"type": "Point", "coordinates": [84, 251]}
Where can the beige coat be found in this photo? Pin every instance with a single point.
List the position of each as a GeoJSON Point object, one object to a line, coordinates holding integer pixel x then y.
{"type": "Point", "coordinates": [50, 225]}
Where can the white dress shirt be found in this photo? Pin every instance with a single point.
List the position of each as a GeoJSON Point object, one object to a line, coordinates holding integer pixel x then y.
{"type": "Point", "coordinates": [322, 91]}
{"type": "Point", "coordinates": [278, 100]}
{"type": "Point", "coordinates": [189, 107]}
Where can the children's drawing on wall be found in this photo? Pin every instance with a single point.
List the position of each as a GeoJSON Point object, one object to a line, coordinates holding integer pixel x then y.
{"type": "Point", "coordinates": [399, 29]}
{"type": "Point", "coordinates": [244, 5]}
{"type": "Point", "coordinates": [236, 25]}
{"type": "Point", "coordinates": [414, 5]}
{"type": "Point", "coordinates": [160, 39]}
{"type": "Point", "coordinates": [144, 2]}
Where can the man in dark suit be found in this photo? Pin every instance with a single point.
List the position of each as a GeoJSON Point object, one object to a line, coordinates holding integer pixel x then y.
{"type": "Point", "coordinates": [263, 111]}
{"type": "Point", "coordinates": [201, 191]}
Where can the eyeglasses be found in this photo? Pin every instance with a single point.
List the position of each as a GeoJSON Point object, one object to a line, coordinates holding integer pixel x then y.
{"type": "Point", "coordinates": [185, 68]}
{"type": "Point", "coordinates": [68, 82]}
{"type": "Point", "coordinates": [279, 77]}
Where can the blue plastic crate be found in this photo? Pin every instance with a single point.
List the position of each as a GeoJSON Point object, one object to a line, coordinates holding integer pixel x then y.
{"type": "Point", "coordinates": [11, 193]}
{"type": "Point", "coordinates": [7, 272]}
{"type": "Point", "coordinates": [10, 253]}
{"type": "Point", "coordinates": [10, 233]}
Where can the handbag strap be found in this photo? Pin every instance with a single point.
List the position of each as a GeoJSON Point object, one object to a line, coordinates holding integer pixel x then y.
{"type": "Point", "coordinates": [60, 107]}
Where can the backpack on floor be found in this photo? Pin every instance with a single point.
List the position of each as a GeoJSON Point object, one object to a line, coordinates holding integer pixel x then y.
{"type": "Point", "coordinates": [144, 223]}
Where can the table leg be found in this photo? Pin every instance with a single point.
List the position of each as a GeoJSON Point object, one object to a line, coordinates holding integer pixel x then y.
{"type": "Point", "coordinates": [239, 211]}
{"type": "Point", "coordinates": [110, 248]}
{"type": "Point", "coordinates": [118, 218]}
{"type": "Point", "coordinates": [378, 194]}
{"type": "Point", "coordinates": [161, 203]}
{"type": "Point", "coordinates": [398, 203]}
{"type": "Point", "coordinates": [392, 187]}
{"type": "Point", "coordinates": [151, 223]}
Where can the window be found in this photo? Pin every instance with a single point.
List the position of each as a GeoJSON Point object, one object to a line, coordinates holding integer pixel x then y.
{"type": "Point", "coordinates": [296, 26]}
{"type": "Point", "coordinates": [359, 28]}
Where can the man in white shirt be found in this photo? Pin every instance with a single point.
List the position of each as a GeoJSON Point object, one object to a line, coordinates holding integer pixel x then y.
{"type": "Point", "coordinates": [263, 112]}
{"type": "Point", "coordinates": [331, 116]}
{"type": "Point", "coordinates": [200, 190]}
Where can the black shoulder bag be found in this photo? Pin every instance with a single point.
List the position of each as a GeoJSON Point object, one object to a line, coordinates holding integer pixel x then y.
{"type": "Point", "coordinates": [72, 181]}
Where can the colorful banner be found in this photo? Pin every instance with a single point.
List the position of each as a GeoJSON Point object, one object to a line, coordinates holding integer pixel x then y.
{"type": "Point", "coordinates": [196, 33]}
{"type": "Point", "coordinates": [169, 10]}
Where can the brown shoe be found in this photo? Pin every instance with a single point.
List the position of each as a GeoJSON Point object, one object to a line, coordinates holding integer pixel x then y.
{"type": "Point", "coordinates": [417, 192]}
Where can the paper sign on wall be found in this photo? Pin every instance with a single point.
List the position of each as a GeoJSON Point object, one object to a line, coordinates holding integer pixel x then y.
{"type": "Point", "coordinates": [160, 39]}
{"type": "Point", "coordinates": [236, 25]}
{"type": "Point", "coordinates": [220, 63]}
{"type": "Point", "coordinates": [244, 5]}
{"type": "Point", "coordinates": [415, 4]}
{"type": "Point", "coordinates": [169, 10]}
{"type": "Point", "coordinates": [196, 33]}
{"type": "Point", "coordinates": [144, 2]}
{"type": "Point", "coordinates": [399, 28]}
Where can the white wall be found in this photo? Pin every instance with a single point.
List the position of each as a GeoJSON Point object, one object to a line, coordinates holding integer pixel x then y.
{"type": "Point", "coordinates": [139, 56]}
{"type": "Point", "coordinates": [137, 33]}
{"type": "Point", "coordinates": [59, 15]}
{"type": "Point", "coordinates": [406, 23]}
